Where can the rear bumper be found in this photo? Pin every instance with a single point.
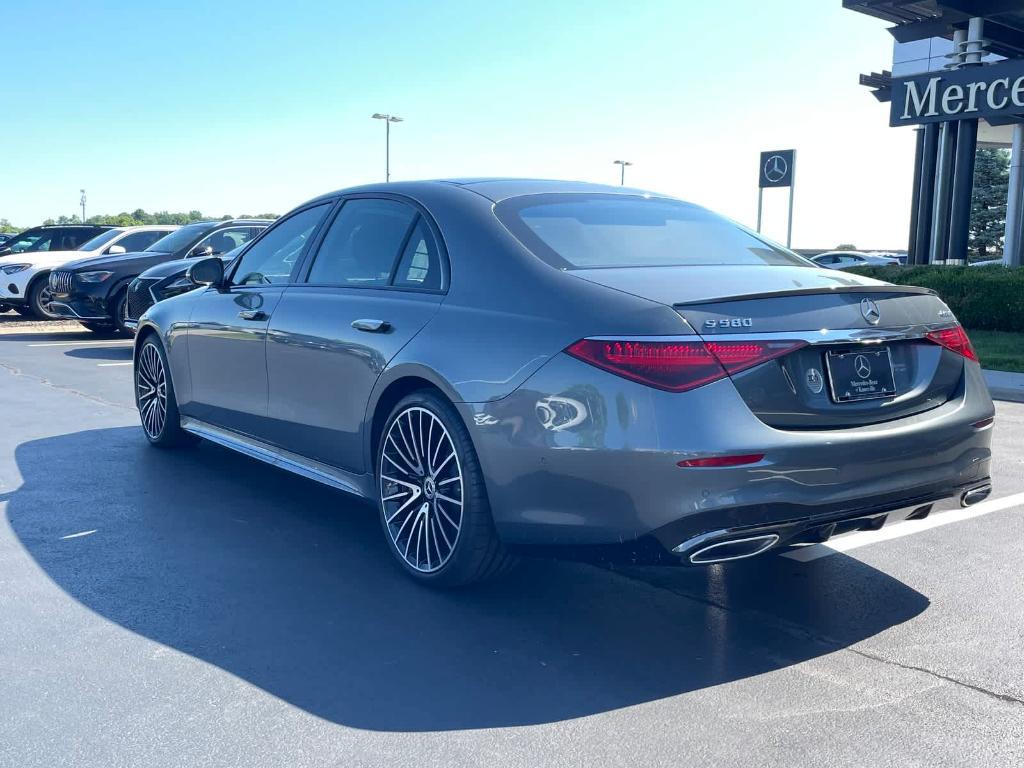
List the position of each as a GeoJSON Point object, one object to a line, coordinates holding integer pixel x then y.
{"type": "Point", "coordinates": [578, 458]}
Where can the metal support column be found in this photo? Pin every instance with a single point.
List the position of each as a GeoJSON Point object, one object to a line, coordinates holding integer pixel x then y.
{"type": "Point", "coordinates": [1013, 245]}
{"type": "Point", "coordinates": [925, 208]}
{"type": "Point", "coordinates": [943, 183]}
{"type": "Point", "coordinates": [973, 49]}
{"type": "Point", "coordinates": [963, 189]}
{"type": "Point", "coordinates": [915, 199]}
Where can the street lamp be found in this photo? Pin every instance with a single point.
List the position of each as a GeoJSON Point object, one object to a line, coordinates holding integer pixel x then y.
{"type": "Point", "coordinates": [388, 120]}
{"type": "Point", "coordinates": [82, 201]}
{"type": "Point", "coordinates": [622, 176]}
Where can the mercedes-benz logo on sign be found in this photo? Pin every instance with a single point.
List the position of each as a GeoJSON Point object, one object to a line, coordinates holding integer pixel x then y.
{"type": "Point", "coordinates": [776, 168]}
{"type": "Point", "coordinates": [862, 366]}
{"type": "Point", "coordinates": [869, 309]}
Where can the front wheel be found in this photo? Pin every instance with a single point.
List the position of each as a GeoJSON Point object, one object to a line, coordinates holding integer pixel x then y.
{"type": "Point", "coordinates": [154, 397]}
{"type": "Point", "coordinates": [433, 503]}
{"type": "Point", "coordinates": [39, 298]}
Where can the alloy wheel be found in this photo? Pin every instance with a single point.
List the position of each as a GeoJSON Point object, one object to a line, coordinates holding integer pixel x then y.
{"type": "Point", "coordinates": [421, 489]}
{"type": "Point", "coordinates": [151, 388]}
{"type": "Point", "coordinates": [44, 301]}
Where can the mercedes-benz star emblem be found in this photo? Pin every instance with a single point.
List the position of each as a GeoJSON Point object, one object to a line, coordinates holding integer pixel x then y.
{"type": "Point", "coordinates": [869, 309]}
{"type": "Point", "coordinates": [862, 366]}
{"type": "Point", "coordinates": [776, 168]}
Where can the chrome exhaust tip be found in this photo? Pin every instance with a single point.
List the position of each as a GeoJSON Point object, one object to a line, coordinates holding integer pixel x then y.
{"type": "Point", "coordinates": [732, 549]}
{"type": "Point", "coordinates": [974, 495]}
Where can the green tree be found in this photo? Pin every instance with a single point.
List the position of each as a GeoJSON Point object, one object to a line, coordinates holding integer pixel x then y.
{"type": "Point", "coordinates": [846, 247]}
{"type": "Point", "coordinates": [6, 226]}
{"type": "Point", "coordinates": [988, 203]}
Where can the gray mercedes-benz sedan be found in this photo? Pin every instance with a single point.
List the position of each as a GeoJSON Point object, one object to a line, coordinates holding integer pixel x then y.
{"type": "Point", "coordinates": [505, 365]}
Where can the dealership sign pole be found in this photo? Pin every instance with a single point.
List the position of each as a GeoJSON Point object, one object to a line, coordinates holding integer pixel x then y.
{"type": "Point", "coordinates": [777, 169]}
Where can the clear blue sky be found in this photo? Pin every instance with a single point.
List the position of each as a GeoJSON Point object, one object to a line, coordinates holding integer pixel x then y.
{"type": "Point", "coordinates": [232, 107]}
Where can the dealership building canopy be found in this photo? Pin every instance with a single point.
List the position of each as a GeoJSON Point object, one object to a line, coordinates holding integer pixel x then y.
{"type": "Point", "coordinates": [957, 74]}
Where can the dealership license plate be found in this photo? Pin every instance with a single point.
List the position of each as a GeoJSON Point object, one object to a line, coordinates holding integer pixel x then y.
{"type": "Point", "coordinates": [860, 375]}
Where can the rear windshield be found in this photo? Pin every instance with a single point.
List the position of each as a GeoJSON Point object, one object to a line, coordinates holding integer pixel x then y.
{"type": "Point", "coordinates": [575, 231]}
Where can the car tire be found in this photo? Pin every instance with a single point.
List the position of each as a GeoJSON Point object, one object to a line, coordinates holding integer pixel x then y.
{"type": "Point", "coordinates": [38, 298]}
{"type": "Point", "coordinates": [159, 415]}
{"type": "Point", "coordinates": [431, 496]}
{"type": "Point", "coordinates": [120, 312]}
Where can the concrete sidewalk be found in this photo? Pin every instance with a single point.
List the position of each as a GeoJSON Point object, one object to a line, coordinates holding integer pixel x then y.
{"type": "Point", "coordinates": [1005, 385]}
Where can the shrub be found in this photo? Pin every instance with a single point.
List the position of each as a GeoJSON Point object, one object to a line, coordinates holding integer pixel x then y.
{"type": "Point", "coordinates": [986, 298]}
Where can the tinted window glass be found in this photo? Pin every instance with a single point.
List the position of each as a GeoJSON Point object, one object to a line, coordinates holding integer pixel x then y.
{"type": "Point", "coordinates": [100, 240]}
{"type": "Point", "coordinates": [72, 239]}
{"type": "Point", "coordinates": [34, 240]}
{"type": "Point", "coordinates": [574, 231]}
{"type": "Point", "coordinates": [180, 238]}
{"type": "Point", "coordinates": [271, 260]}
{"type": "Point", "coordinates": [420, 266]}
{"type": "Point", "coordinates": [225, 240]}
{"type": "Point", "coordinates": [362, 244]}
{"type": "Point", "coordinates": [140, 241]}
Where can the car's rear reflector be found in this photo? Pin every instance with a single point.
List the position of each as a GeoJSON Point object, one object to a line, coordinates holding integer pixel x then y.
{"type": "Point", "coordinates": [677, 366]}
{"type": "Point", "coordinates": [954, 339]}
{"type": "Point", "coordinates": [723, 461]}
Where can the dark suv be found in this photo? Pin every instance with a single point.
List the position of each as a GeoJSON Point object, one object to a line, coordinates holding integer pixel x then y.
{"type": "Point", "coordinates": [94, 291]}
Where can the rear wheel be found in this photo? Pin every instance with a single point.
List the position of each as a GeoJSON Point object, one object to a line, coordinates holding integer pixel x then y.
{"type": "Point", "coordinates": [433, 504]}
{"type": "Point", "coordinates": [154, 397]}
{"type": "Point", "coordinates": [39, 298]}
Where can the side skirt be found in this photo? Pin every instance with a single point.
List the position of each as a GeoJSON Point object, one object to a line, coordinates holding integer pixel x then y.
{"type": "Point", "coordinates": [359, 485]}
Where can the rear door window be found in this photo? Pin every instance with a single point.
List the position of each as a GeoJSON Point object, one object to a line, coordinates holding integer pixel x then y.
{"type": "Point", "coordinates": [140, 241]}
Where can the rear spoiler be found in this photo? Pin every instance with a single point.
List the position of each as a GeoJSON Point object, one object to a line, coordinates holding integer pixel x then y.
{"type": "Point", "coordinates": [885, 288]}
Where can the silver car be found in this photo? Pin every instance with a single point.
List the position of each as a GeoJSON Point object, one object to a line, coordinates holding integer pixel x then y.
{"type": "Point", "coordinates": [509, 365]}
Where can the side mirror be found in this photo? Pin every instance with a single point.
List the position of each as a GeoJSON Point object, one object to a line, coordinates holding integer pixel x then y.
{"type": "Point", "coordinates": [200, 251]}
{"type": "Point", "coordinates": [209, 271]}
{"type": "Point", "coordinates": [116, 249]}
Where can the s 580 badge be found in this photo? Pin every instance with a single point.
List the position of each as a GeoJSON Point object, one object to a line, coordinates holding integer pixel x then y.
{"type": "Point", "coordinates": [730, 322]}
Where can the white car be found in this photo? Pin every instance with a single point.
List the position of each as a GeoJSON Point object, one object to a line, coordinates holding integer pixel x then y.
{"type": "Point", "coordinates": [24, 277]}
{"type": "Point", "coordinates": [847, 259]}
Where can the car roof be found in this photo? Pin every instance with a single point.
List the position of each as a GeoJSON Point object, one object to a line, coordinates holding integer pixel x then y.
{"type": "Point", "coordinates": [494, 189]}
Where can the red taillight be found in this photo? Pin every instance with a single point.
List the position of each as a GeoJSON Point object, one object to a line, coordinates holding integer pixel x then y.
{"type": "Point", "coordinates": [723, 461]}
{"type": "Point", "coordinates": [677, 366]}
{"type": "Point", "coordinates": [955, 340]}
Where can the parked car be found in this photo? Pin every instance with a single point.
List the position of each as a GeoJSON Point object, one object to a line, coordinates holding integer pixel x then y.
{"type": "Point", "coordinates": [161, 282]}
{"type": "Point", "coordinates": [25, 281]}
{"type": "Point", "coordinates": [847, 259]}
{"type": "Point", "coordinates": [95, 292]}
{"type": "Point", "coordinates": [563, 367]}
{"type": "Point", "coordinates": [59, 237]}
{"type": "Point", "coordinates": [988, 263]}
{"type": "Point", "coordinates": [5, 236]}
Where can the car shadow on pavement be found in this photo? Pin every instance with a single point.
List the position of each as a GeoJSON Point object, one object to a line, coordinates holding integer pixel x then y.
{"type": "Point", "coordinates": [101, 353]}
{"type": "Point", "coordinates": [289, 586]}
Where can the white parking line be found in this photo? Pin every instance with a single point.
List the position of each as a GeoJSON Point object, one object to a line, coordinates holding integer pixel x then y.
{"type": "Point", "coordinates": [906, 528]}
{"type": "Point", "coordinates": [79, 534]}
{"type": "Point", "coordinates": [111, 365]}
{"type": "Point", "coordinates": [79, 343]}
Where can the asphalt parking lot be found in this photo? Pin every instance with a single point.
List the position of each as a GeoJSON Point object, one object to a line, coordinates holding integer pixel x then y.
{"type": "Point", "coordinates": [199, 608]}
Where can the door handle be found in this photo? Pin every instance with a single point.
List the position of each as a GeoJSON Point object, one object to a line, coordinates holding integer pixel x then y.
{"type": "Point", "coordinates": [372, 326]}
{"type": "Point", "coordinates": [253, 314]}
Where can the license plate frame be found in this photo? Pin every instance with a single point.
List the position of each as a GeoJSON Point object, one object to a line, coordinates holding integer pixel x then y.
{"type": "Point", "coordinates": [847, 382]}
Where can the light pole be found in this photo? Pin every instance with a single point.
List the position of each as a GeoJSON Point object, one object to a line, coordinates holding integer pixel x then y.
{"type": "Point", "coordinates": [388, 120]}
{"type": "Point", "coordinates": [622, 175]}
{"type": "Point", "coordinates": [83, 204]}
